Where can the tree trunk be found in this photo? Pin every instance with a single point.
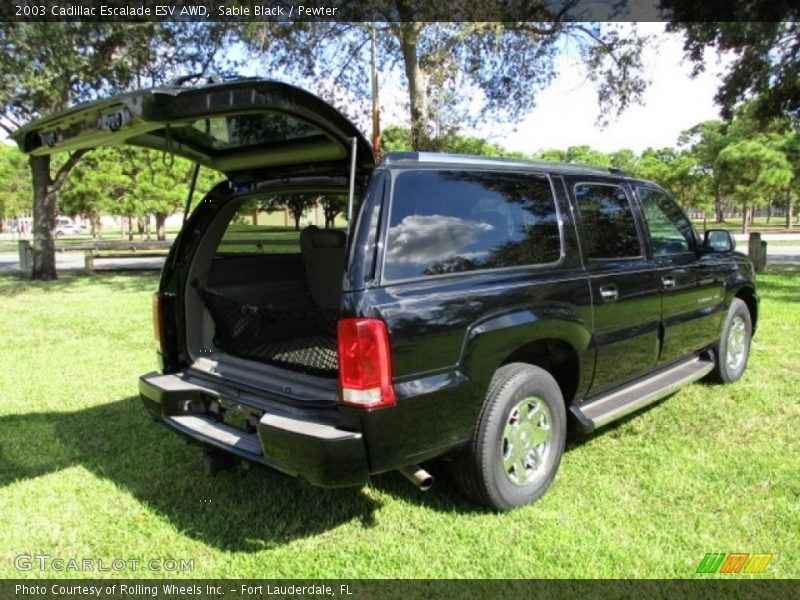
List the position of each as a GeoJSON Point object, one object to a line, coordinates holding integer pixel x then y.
{"type": "Point", "coordinates": [417, 90]}
{"type": "Point", "coordinates": [161, 233]}
{"type": "Point", "coordinates": [296, 218]}
{"type": "Point", "coordinates": [745, 216]}
{"type": "Point", "coordinates": [789, 208]}
{"type": "Point", "coordinates": [719, 213]}
{"type": "Point", "coordinates": [44, 220]}
{"type": "Point", "coordinates": [330, 217]}
{"type": "Point", "coordinates": [130, 228]}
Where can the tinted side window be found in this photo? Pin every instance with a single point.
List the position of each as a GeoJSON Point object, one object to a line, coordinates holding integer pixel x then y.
{"type": "Point", "coordinates": [608, 224]}
{"type": "Point", "coordinates": [452, 221]}
{"type": "Point", "coordinates": [670, 230]}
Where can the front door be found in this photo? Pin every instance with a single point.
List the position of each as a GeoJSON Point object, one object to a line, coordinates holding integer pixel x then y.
{"type": "Point", "coordinates": [692, 298]}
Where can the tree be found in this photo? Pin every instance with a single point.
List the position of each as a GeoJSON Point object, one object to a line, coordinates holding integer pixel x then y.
{"type": "Point", "coordinates": [49, 65]}
{"type": "Point", "coordinates": [790, 146]}
{"type": "Point", "coordinates": [456, 72]}
{"type": "Point", "coordinates": [296, 204]}
{"type": "Point", "coordinates": [625, 160]}
{"type": "Point", "coordinates": [752, 172]}
{"type": "Point", "coordinates": [762, 36]}
{"type": "Point", "coordinates": [130, 182]}
{"type": "Point", "coordinates": [585, 155]}
{"type": "Point", "coordinates": [332, 205]}
{"type": "Point", "coordinates": [395, 138]}
{"type": "Point", "coordinates": [705, 141]}
{"type": "Point", "coordinates": [161, 184]}
{"type": "Point", "coordinates": [15, 184]}
{"type": "Point", "coordinates": [98, 186]}
{"type": "Point", "coordinates": [673, 170]}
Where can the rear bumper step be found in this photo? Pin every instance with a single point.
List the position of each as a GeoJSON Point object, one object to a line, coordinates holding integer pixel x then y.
{"type": "Point", "coordinates": [310, 448]}
{"type": "Point", "coordinates": [619, 403]}
{"type": "Point", "coordinates": [217, 434]}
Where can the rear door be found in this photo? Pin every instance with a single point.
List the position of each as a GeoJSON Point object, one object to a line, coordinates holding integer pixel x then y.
{"type": "Point", "coordinates": [240, 128]}
{"type": "Point", "coordinates": [625, 288]}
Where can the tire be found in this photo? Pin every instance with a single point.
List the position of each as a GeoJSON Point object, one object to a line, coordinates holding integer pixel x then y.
{"type": "Point", "coordinates": [733, 347]}
{"type": "Point", "coordinates": [503, 467]}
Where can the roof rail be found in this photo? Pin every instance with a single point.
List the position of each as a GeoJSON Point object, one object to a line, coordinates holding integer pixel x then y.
{"type": "Point", "coordinates": [194, 78]}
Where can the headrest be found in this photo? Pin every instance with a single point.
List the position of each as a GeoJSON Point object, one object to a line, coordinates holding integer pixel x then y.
{"type": "Point", "coordinates": [322, 238]}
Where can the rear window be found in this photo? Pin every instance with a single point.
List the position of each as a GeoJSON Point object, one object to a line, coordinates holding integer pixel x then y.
{"type": "Point", "coordinates": [243, 131]}
{"type": "Point", "coordinates": [272, 224]}
{"type": "Point", "coordinates": [455, 221]}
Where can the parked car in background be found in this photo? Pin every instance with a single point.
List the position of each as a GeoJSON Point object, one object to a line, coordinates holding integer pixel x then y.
{"type": "Point", "coordinates": [68, 230]}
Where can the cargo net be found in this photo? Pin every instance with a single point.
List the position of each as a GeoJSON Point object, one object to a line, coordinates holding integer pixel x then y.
{"type": "Point", "coordinates": [300, 341]}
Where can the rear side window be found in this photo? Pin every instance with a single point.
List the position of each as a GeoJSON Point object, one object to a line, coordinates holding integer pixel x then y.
{"type": "Point", "coordinates": [608, 224]}
{"type": "Point", "coordinates": [455, 221]}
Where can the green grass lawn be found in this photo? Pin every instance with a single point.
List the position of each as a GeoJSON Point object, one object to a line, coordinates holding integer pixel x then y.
{"type": "Point", "coordinates": [85, 473]}
{"type": "Point", "coordinates": [245, 238]}
{"type": "Point", "coordinates": [734, 225]}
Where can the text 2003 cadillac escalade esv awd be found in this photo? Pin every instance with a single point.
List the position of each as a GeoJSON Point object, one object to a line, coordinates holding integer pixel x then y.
{"type": "Point", "coordinates": [477, 308]}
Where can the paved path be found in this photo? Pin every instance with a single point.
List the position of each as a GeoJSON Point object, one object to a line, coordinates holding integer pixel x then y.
{"type": "Point", "coordinates": [9, 262]}
{"type": "Point", "coordinates": [767, 237]}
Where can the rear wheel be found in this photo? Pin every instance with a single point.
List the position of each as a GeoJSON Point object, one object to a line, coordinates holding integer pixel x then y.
{"type": "Point", "coordinates": [516, 448]}
{"type": "Point", "coordinates": [733, 347]}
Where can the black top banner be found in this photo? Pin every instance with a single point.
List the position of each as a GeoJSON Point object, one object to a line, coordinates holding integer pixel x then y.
{"type": "Point", "coordinates": [393, 10]}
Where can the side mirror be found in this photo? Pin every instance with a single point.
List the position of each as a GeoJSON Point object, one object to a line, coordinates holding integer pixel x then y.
{"type": "Point", "coordinates": [719, 240]}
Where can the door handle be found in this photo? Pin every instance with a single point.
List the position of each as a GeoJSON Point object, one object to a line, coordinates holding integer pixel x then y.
{"type": "Point", "coordinates": [668, 282]}
{"type": "Point", "coordinates": [609, 293]}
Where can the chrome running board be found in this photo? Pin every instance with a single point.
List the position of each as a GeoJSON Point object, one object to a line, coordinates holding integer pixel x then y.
{"type": "Point", "coordinates": [618, 403]}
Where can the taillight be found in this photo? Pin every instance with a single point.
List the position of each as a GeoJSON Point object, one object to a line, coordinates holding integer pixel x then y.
{"type": "Point", "coordinates": [158, 321]}
{"type": "Point", "coordinates": [365, 364]}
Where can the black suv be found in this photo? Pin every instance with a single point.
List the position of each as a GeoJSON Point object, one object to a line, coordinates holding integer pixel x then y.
{"type": "Point", "coordinates": [476, 308]}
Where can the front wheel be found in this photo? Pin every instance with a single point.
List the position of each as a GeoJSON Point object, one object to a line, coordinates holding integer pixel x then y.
{"type": "Point", "coordinates": [733, 347]}
{"type": "Point", "coordinates": [516, 448]}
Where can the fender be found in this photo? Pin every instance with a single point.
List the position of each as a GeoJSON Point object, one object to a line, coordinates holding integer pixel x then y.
{"type": "Point", "coordinates": [490, 341]}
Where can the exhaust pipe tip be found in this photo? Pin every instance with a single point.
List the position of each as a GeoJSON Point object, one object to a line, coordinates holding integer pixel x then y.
{"type": "Point", "coordinates": [418, 476]}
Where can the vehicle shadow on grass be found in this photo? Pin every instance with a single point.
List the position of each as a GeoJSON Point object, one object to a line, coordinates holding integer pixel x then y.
{"type": "Point", "coordinates": [238, 510]}
{"type": "Point", "coordinates": [443, 497]}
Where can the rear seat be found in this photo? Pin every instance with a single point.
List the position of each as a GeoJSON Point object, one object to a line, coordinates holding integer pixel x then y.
{"type": "Point", "coordinates": [323, 257]}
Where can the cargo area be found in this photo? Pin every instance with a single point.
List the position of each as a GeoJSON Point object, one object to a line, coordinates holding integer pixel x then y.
{"type": "Point", "coordinates": [294, 339]}
{"type": "Point", "coordinates": [276, 319]}
{"type": "Point", "coordinates": [269, 296]}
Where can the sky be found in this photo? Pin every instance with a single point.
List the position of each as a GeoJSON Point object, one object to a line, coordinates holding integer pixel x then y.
{"type": "Point", "coordinates": [566, 111]}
